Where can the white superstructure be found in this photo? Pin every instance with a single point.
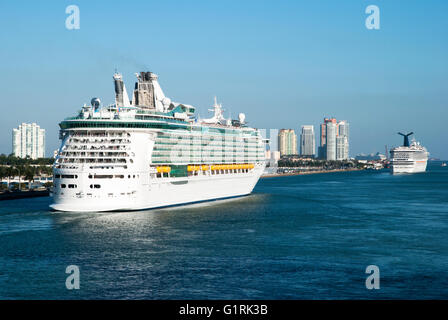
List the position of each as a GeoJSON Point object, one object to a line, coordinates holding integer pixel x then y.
{"type": "Point", "coordinates": [409, 158]}
{"type": "Point", "coordinates": [152, 152]}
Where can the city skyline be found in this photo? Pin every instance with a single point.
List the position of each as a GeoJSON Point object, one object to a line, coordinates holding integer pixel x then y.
{"type": "Point", "coordinates": [328, 64]}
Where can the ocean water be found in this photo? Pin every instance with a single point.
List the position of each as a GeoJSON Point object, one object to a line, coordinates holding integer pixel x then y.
{"type": "Point", "coordinates": [297, 237]}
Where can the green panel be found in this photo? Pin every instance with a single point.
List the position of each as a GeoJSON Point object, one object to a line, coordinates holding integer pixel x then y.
{"type": "Point", "coordinates": [179, 171]}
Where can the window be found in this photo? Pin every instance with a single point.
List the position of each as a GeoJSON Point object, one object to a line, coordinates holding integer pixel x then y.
{"type": "Point", "coordinates": [63, 186]}
{"type": "Point", "coordinates": [72, 186]}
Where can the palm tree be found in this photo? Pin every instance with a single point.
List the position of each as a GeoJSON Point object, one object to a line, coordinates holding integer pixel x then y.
{"type": "Point", "coordinates": [10, 172]}
{"type": "Point", "coordinates": [29, 175]}
{"type": "Point", "coordinates": [3, 174]}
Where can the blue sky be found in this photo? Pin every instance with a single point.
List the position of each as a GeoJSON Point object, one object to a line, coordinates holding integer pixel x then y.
{"type": "Point", "coordinates": [283, 63]}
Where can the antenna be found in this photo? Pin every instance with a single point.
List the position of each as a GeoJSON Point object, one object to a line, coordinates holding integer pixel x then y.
{"type": "Point", "coordinates": [406, 138]}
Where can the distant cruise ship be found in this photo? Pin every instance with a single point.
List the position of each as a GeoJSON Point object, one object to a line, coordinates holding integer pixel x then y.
{"type": "Point", "coordinates": [409, 158]}
{"type": "Point", "coordinates": [151, 152]}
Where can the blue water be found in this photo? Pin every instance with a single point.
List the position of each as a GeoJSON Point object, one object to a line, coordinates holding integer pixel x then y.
{"type": "Point", "coordinates": [298, 237]}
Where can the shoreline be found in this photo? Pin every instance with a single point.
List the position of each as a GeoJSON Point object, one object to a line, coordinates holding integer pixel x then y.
{"type": "Point", "coordinates": [23, 194]}
{"type": "Point", "coordinates": [275, 175]}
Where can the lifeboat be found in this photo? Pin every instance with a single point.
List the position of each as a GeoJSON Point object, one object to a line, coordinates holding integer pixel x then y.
{"type": "Point", "coordinates": [163, 169]}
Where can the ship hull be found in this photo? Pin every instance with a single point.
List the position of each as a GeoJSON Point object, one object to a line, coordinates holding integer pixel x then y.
{"type": "Point", "coordinates": [411, 167]}
{"type": "Point", "coordinates": [168, 192]}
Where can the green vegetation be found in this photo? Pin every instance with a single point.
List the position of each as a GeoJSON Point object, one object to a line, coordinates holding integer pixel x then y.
{"type": "Point", "coordinates": [321, 164]}
{"type": "Point", "coordinates": [11, 166]}
{"type": "Point", "coordinates": [12, 160]}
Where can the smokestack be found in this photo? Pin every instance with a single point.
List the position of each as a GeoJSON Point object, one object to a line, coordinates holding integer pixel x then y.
{"type": "Point", "coordinates": [121, 95]}
{"type": "Point", "coordinates": [118, 84]}
{"type": "Point", "coordinates": [405, 138]}
{"type": "Point", "coordinates": [144, 91]}
{"type": "Point", "coordinates": [148, 94]}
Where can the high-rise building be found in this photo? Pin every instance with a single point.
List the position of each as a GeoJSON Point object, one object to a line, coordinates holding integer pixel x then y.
{"type": "Point", "coordinates": [307, 141]}
{"type": "Point", "coordinates": [322, 151]}
{"type": "Point", "coordinates": [28, 140]}
{"type": "Point", "coordinates": [341, 148]}
{"type": "Point", "coordinates": [342, 142]}
{"type": "Point", "coordinates": [287, 142]}
{"type": "Point", "coordinates": [334, 139]}
{"type": "Point", "coordinates": [330, 144]}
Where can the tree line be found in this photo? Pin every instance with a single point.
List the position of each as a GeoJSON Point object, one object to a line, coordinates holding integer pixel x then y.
{"type": "Point", "coordinates": [12, 160]}
{"type": "Point", "coordinates": [26, 168]}
{"type": "Point", "coordinates": [326, 164]}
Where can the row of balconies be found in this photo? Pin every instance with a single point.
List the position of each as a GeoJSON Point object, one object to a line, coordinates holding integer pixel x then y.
{"type": "Point", "coordinates": [85, 147]}
{"type": "Point", "coordinates": [96, 141]}
{"type": "Point", "coordinates": [91, 160]}
{"type": "Point", "coordinates": [100, 134]}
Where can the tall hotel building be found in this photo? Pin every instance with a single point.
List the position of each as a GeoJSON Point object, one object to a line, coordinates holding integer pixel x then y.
{"type": "Point", "coordinates": [28, 140]}
{"type": "Point", "coordinates": [287, 142]}
{"type": "Point", "coordinates": [334, 139]}
{"type": "Point", "coordinates": [330, 145]}
{"type": "Point", "coordinates": [342, 144]}
{"type": "Point", "coordinates": [307, 141]}
{"type": "Point", "coordinates": [322, 151]}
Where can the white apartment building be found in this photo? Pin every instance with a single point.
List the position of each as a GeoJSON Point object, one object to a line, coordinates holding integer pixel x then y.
{"type": "Point", "coordinates": [307, 141]}
{"type": "Point", "coordinates": [28, 140]}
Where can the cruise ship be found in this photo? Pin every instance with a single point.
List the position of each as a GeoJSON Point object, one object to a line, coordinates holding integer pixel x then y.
{"type": "Point", "coordinates": [149, 152]}
{"type": "Point", "coordinates": [408, 158]}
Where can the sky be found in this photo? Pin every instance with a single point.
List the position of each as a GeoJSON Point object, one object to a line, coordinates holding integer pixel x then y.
{"type": "Point", "coordinates": [283, 63]}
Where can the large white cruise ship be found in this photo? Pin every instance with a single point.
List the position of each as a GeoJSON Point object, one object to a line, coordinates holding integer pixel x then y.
{"type": "Point", "coordinates": [409, 158]}
{"type": "Point", "coordinates": [151, 152]}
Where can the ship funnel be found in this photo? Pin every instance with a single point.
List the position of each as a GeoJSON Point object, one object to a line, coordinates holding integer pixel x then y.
{"type": "Point", "coordinates": [95, 103]}
{"type": "Point", "coordinates": [118, 83]}
{"type": "Point", "coordinates": [406, 138]}
{"type": "Point", "coordinates": [121, 95]}
{"type": "Point", "coordinates": [147, 93]}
